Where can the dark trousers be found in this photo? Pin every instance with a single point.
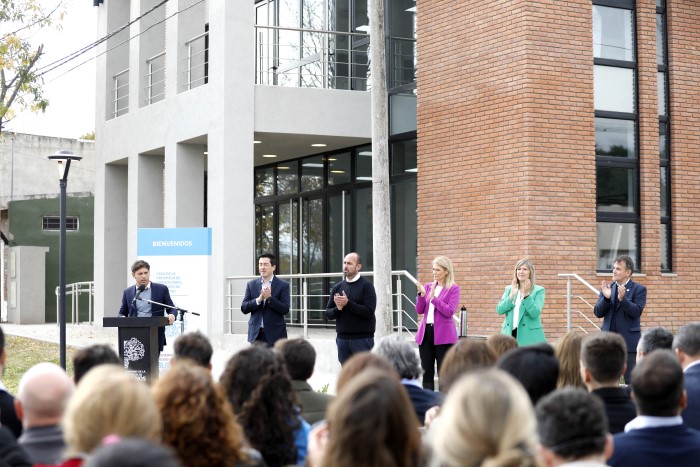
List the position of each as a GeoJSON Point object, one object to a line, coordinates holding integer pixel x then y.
{"type": "Point", "coordinates": [631, 362]}
{"type": "Point", "coordinates": [349, 347]}
{"type": "Point", "coordinates": [261, 338]}
{"type": "Point", "coordinates": [429, 353]}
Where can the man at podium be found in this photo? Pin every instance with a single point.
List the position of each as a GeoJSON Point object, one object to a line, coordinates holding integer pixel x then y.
{"type": "Point", "coordinates": [135, 299]}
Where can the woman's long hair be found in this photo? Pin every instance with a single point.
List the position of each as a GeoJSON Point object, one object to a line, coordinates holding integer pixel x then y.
{"type": "Point", "coordinates": [259, 388]}
{"type": "Point", "coordinates": [372, 424]}
{"type": "Point", "coordinates": [197, 419]}
{"type": "Point", "coordinates": [568, 352]}
{"type": "Point", "coordinates": [530, 266]}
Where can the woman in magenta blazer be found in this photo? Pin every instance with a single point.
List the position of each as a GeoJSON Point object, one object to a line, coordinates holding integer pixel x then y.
{"type": "Point", "coordinates": [437, 302]}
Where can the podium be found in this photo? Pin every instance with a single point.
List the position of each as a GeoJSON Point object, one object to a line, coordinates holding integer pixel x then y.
{"type": "Point", "coordinates": [138, 344]}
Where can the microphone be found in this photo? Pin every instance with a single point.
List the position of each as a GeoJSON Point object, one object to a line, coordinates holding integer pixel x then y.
{"type": "Point", "coordinates": [136, 297]}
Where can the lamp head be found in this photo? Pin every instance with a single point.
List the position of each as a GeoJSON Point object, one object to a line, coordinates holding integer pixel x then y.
{"type": "Point", "coordinates": [64, 158]}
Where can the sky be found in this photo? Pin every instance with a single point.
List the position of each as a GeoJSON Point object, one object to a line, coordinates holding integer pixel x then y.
{"type": "Point", "coordinates": [71, 94]}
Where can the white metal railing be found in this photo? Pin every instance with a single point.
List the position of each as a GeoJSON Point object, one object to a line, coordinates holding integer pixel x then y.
{"type": "Point", "coordinates": [569, 296]}
{"type": "Point", "coordinates": [155, 78]}
{"type": "Point", "coordinates": [311, 58]}
{"type": "Point", "coordinates": [74, 291]}
{"type": "Point", "coordinates": [302, 298]}
{"type": "Point", "coordinates": [197, 59]}
{"type": "Point", "coordinates": [120, 101]}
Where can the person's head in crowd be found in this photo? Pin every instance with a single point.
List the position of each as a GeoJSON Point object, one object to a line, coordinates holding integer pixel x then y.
{"type": "Point", "coordinates": [109, 401]}
{"type": "Point", "coordinates": [603, 360]}
{"type": "Point", "coordinates": [572, 426]}
{"type": "Point", "coordinates": [464, 357]}
{"type": "Point", "coordinates": [132, 452]}
{"type": "Point", "coordinates": [260, 391]}
{"type": "Point", "coordinates": [535, 366]}
{"type": "Point", "coordinates": [686, 344]}
{"type": "Point", "coordinates": [358, 363]}
{"type": "Point", "coordinates": [89, 357]}
{"type": "Point", "coordinates": [198, 421]}
{"type": "Point", "coordinates": [487, 419]}
{"type": "Point", "coordinates": [194, 346]}
{"type": "Point", "coordinates": [501, 343]}
{"type": "Point", "coordinates": [657, 385]}
{"type": "Point", "coordinates": [371, 423]}
{"type": "Point", "coordinates": [401, 353]}
{"type": "Point", "coordinates": [2, 352]}
{"type": "Point", "coordinates": [44, 391]}
{"type": "Point", "coordinates": [652, 339]}
{"type": "Point", "coordinates": [568, 352]}
{"type": "Point", "coordinates": [299, 356]}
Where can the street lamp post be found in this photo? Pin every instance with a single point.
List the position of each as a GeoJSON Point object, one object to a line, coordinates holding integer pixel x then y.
{"type": "Point", "coordinates": [64, 159]}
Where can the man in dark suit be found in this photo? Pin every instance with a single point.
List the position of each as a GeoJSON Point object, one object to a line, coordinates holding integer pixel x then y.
{"type": "Point", "coordinates": [620, 304]}
{"type": "Point", "coordinates": [686, 344]}
{"type": "Point", "coordinates": [300, 357]}
{"type": "Point", "coordinates": [404, 356]}
{"type": "Point", "coordinates": [603, 361]}
{"type": "Point", "coordinates": [657, 437]}
{"type": "Point", "coordinates": [147, 290]}
{"type": "Point", "coordinates": [267, 301]}
{"type": "Point", "coordinates": [8, 417]}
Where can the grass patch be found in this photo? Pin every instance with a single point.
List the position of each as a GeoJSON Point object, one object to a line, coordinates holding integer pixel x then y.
{"type": "Point", "coordinates": [23, 353]}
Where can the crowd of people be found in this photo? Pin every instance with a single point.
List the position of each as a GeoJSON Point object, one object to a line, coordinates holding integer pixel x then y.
{"type": "Point", "coordinates": [496, 404]}
{"type": "Point", "coordinates": [619, 397]}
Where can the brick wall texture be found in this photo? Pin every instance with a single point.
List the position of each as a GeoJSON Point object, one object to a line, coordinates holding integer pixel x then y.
{"type": "Point", "coordinates": [506, 145]}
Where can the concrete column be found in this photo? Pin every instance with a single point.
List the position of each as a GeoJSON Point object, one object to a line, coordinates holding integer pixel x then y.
{"type": "Point", "coordinates": [184, 189]}
{"type": "Point", "coordinates": [230, 182]}
{"type": "Point", "coordinates": [147, 200]}
{"type": "Point", "coordinates": [111, 219]}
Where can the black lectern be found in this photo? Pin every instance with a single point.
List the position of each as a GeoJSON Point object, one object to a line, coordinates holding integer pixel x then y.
{"type": "Point", "coordinates": [138, 344]}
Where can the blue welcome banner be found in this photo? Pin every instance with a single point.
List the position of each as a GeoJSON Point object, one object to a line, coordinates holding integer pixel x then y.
{"type": "Point", "coordinates": [174, 242]}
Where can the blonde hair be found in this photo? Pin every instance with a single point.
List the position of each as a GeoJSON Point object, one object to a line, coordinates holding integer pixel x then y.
{"type": "Point", "coordinates": [487, 420]}
{"type": "Point", "coordinates": [529, 265]}
{"type": "Point", "coordinates": [568, 352]}
{"type": "Point", "coordinates": [109, 401]}
{"type": "Point", "coordinates": [445, 263]}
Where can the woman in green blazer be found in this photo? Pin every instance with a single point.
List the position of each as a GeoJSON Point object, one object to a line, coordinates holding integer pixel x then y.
{"type": "Point", "coordinates": [522, 304]}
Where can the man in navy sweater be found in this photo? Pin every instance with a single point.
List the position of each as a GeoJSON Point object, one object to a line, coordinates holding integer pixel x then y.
{"type": "Point", "coordinates": [351, 304]}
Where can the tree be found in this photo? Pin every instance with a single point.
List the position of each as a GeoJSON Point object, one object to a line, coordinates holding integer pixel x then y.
{"type": "Point", "coordinates": [20, 85]}
{"type": "Point", "coordinates": [381, 226]}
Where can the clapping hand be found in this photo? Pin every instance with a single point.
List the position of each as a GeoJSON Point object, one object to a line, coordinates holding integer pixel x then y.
{"type": "Point", "coordinates": [513, 289]}
{"type": "Point", "coordinates": [525, 287]}
{"type": "Point", "coordinates": [340, 300]}
{"type": "Point", "coordinates": [605, 288]}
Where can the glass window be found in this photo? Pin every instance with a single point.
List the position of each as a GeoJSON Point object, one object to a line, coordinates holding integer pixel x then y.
{"type": "Point", "coordinates": [660, 34]}
{"type": "Point", "coordinates": [288, 237]}
{"type": "Point", "coordinates": [614, 239]}
{"type": "Point", "coordinates": [616, 189]}
{"type": "Point", "coordinates": [613, 89]}
{"type": "Point", "coordinates": [312, 173]}
{"type": "Point", "coordinates": [264, 182]}
{"type": "Point", "coordinates": [363, 164]}
{"type": "Point", "coordinates": [615, 138]}
{"type": "Point", "coordinates": [288, 178]}
{"type": "Point", "coordinates": [661, 79]}
{"type": "Point", "coordinates": [663, 152]}
{"type": "Point", "coordinates": [339, 222]}
{"type": "Point", "coordinates": [363, 226]}
{"type": "Point", "coordinates": [402, 112]}
{"type": "Point", "coordinates": [664, 192]}
{"type": "Point", "coordinates": [404, 157]}
{"type": "Point", "coordinates": [665, 242]}
{"type": "Point", "coordinates": [339, 168]}
{"type": "Point", "coordinates": [54, 223]}
{"type": "Point", "coordinates": [613, 33]}
{"type": "Point", "coordinates": [265, 228]}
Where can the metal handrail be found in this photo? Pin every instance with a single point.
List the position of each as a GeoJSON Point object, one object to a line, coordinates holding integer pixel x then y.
{"type": "Point", "coordinates": [116, 109]}
{"type": "Point", "coordinates": [191, 56]}
{"type": "Point", "coordinates": [570, 276]}
{"type": "Point", "coordinates": [151, 97]}
{"type": "Point", "coordinates": [302, 298]}
{"type": "Point", "coordinates": [75, 290]}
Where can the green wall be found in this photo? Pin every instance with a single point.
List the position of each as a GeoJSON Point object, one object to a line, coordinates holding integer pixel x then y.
{"type": "Point", "coordinates": [25, 222]}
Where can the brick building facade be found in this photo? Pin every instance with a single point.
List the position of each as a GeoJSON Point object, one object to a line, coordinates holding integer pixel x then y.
{"type": "Point", "coordinates": [508, 162]}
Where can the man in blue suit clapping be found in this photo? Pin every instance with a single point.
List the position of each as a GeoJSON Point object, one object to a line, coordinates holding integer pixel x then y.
{"type": "Point", "coordinates": [267, 300]}
{"type": "Point", "coordinates": [620, 304]}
